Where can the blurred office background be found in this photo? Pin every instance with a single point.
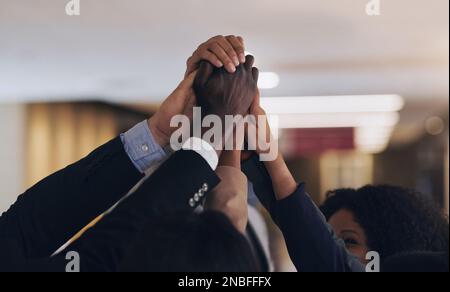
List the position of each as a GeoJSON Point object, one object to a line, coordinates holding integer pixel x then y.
{"type": "Point", "coordinates": [361, 99]}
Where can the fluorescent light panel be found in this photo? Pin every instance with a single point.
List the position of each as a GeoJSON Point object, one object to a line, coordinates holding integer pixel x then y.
{"type": "Point", "coordinates": [342, 120]}
{"type": "Point", "coordinates": [268, 80]}
{"type": "Point", "coordinates": [332, 104]}
{"type": "Point", "coordinates": [374, 117]}
{"type": "Point", "coordinates": [373, 139]}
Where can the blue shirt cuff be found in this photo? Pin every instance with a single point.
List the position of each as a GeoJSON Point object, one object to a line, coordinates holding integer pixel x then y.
{"type": "Point", "coordinates": [141, 147]}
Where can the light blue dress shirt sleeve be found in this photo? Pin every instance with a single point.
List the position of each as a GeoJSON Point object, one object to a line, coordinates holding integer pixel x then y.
{"type": "Point", "coordinates": [141, 147]}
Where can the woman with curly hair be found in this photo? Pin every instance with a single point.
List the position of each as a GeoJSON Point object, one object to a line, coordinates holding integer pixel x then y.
{"type": "Point", "coordinates": [407, 231]}
{"type": "Point", "coordinates": [386, 219]}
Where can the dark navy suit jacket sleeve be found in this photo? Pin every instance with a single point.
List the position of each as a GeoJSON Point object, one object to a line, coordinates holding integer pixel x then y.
{"type": "Point", "coordinates": [51, 212]}
{"type": "Point", "coordinates": [102, 248]}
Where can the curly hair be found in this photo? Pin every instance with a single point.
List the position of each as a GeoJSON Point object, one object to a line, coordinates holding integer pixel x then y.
{"type": "Point", "coordinates": [394, 219]}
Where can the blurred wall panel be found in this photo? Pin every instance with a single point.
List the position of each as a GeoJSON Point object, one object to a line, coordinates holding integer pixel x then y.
{"type": "Point", "coordinates": [59, 134]}
{"type": "Point", "coordinates": [108, 125]}
{"type": "Point", "coordinates": [64, 127]}
{"type": "Point", "coordinates": [420, 166]}
{"type": "Point", "coordinates": [307, 170]}
{"type": "Point", "coordinates": [39, 143]}
{"type": "Point", "coordinates": [12, 148]}
{"type": "Point", "coordinates": [87, 130]}
{"type": "Point", "coordinates": [348, 169]}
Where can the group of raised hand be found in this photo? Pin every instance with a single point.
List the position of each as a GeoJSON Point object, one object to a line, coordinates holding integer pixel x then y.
{"type": "Point", "coordinates": [219, 79]}
{"type": "Point", "coordinates": [222, 80]}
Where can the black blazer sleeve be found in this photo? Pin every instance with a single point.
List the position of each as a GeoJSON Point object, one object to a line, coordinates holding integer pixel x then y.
{"type": "Point", "coordinates": [311, 242]}
{"type": "Point", "coordinates": [52, 211]}
{"type": "Point", "coordinates": [165, 192]}
{"type": "Point", "coordinates": [257, 174]}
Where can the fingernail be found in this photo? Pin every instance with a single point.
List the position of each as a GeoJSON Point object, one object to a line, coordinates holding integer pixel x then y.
{"type": "Point", "coordinates": [242, 58]}
{"type": "Point", "coordinates": [236, 61]}
{"type": "Point", "coordinates": [231, 68]}
{"type": "Point", "coordinates": [219, 64]}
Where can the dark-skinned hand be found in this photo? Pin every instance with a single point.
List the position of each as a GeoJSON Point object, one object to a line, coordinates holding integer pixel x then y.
{"type": "Point", "coordinates": [221, 93]}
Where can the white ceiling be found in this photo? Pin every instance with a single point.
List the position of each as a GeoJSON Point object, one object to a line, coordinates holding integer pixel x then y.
{"type": "Point", "coordinates": [135, 50]}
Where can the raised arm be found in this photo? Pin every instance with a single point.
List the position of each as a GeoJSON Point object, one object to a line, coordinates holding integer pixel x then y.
{"type": "Point", "coordinates": [311, 242]}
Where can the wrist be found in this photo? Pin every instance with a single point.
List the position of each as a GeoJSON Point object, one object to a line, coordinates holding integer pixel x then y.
{"type": "Point", "coordinates": [284, 185]}
{"type": "Point", "coordinates": [283, 182]}
{"type": "Point", "coordinates": [231, 158]}
{"type": "Point", "coordinates": [217, 144]}
{"type": "Point", "coordinates": [160, 137]}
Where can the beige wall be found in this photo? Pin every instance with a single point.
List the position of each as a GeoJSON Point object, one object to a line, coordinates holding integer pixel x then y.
{"type": "Point", "coordinates": [12, 148]}
{"type": "Point", "coordinates": [39, 139]}
{"type": "Point", "coordinates": [61, 133]}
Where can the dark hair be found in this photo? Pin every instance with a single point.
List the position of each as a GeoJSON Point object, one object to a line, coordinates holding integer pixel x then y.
{"type": "Point", "coordinates": [205, 242]}
{"type": "Point", "coordinates": [394, 219]}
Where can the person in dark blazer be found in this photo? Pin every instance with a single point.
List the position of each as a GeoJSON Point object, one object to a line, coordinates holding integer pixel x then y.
{"type": "Point", "coordinates": [47, 215]}
{"type": "Point", "coordinates": [208, 241]}
{"type": "Point", "coordinates": [165, 194]}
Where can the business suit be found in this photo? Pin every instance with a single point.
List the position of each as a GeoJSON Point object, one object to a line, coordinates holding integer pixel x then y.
{"type": "Point", "coordinates": [48, 214]}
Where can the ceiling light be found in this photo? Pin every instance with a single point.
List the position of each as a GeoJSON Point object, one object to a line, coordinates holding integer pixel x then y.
{"type": "Point", "coordinates": [337, 120]}
{"type": "Point", "coordinates": [373, 117]}
{"type": "Point", "coordinates": [268, 80]}
{"type": "Point", "coordinates": [333, 104]}
{"type": "Point", "coordinates": [372, 139]}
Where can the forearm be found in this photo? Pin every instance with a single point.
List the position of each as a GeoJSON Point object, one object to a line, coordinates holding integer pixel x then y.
{"type": "Point", "coordinates": [283, 182]}
{"type": "Point", "coordinates": [312, 244]}
{"type": "Point", "coordinates": [231, 158]}
{"type": "Point", "coordinates": [310, 240]}
{"type": "Point", "coordinates": [258, 175]}
{"type": "Point", "coordinates": [231, 195]}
